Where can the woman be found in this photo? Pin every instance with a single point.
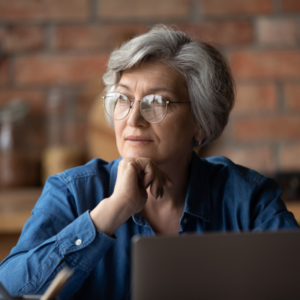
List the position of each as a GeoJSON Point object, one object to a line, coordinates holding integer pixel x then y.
{"type": "Point", "coordinates": [165, 95]}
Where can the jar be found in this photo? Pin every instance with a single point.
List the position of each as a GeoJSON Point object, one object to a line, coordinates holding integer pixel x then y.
{"type": "Point", "coordinates": [15, 167]}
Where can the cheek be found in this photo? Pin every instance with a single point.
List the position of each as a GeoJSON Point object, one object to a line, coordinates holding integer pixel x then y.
{"type": "Point", "coordinates": [183, 122]}
{"type": "Point", "coordinates": [118, 133]}
{"type": "Point", "coordinates": [176, 134]}
{"type": "Point", "coordinates": [183, 129]}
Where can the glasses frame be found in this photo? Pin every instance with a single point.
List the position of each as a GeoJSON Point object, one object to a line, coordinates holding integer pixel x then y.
{"type": "Point", "coordinates": [132, 102]}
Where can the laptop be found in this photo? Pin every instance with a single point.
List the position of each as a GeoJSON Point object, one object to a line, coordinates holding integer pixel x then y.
{"type": "Point", "coordinates": [233, 266]}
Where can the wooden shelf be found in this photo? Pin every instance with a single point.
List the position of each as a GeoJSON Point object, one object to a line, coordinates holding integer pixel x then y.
{"type": "Point", "coordinates": [16, 207]}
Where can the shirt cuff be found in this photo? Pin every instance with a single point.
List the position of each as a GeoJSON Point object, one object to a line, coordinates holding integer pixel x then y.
{"type": "Point", "coordinates": [82, 244]}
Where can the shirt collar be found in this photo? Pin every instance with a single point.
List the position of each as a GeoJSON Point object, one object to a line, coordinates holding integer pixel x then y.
{"type": "Point", "coordinates": [197, 201]}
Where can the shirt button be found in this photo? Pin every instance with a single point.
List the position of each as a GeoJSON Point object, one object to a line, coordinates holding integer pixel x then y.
{"type": "Point", "coordinates": [78, 242]}
{"type": "Point", "coordinates": [185, 220]}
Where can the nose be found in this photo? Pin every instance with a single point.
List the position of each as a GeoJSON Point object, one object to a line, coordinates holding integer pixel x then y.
{"type": "Point", "coordinates": [135, 118]}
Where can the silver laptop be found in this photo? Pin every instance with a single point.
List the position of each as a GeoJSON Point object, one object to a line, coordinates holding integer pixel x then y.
{"type": "Point", "coordinates": [233, 266]}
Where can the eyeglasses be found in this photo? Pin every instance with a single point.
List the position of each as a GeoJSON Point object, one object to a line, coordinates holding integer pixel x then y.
{"type": "Point", "coordinates": [153, 107]}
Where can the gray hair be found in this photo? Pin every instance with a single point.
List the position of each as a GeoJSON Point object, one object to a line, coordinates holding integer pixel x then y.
{"type": "Point", "coordinates": [206, 71]}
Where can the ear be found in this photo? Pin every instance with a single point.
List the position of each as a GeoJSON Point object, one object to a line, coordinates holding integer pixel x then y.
{"type": "Point", "coordinates": [199, 136]}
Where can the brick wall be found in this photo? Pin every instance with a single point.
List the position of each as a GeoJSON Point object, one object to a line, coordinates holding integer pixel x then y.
{"type": "Point", "coordinates": [49, 43]}
{"type": "Point", "coordinates": [264, 128]}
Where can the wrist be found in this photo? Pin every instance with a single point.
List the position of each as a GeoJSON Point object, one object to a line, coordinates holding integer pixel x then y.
{"type": "Point", "coordinates": [109, 215]}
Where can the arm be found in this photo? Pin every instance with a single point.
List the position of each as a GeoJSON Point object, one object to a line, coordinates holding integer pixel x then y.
{"type": "Point", "coordinates": [130, 195]}
{"type": "Point", "coordinates": [50, 238]}
{"type": "Point", "coordinates": [270, 212]}
{"type": "Point", "coordinates": [48, 243]}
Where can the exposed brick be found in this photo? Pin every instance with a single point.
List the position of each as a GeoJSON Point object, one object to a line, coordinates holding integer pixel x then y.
{"type": "Point", "coordinates": [276, 31]}
{"type": "Point", "coordinates": [267, 128]}
{"type": "Point", "coordinates": [59, 69]}
{"type": "Point", "coordinates": [274, 64]}
{"type": "Point", "coordinates": [289, 158]}
{"type": "Point", "coordinates": [93, 36]}
{"type": "Point", "coordinates": [43, 10]}
{"type": "Point", "coordinates": [231, 7]}
{"type": "Point", "coordinates": [255, 98]}
{"type": "Point", "coordinates": [125, 9]}
{"type": "Point", "coordinates": [3, 71]}
{"type": "Point", "coordinates": [290, 5]}
{"type": "Point", "coordinates": [223, 33]}
{"type": "Point", "coordinates": [260, 158]}
{"type": "Point", "coordinates": [14, 39]}
{"type": "Point", "coordinates": [34, 98]}
{"type": "Point", "coordinates": [292, 95]}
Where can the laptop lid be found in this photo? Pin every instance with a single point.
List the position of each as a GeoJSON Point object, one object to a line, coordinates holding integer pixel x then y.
{"type": "Point", "coordinates": [231, 266]}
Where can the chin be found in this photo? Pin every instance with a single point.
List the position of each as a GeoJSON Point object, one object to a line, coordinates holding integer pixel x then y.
{"type": "Point", "coordinates": [135, 152]}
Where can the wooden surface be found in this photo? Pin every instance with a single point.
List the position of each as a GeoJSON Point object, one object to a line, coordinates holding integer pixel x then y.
{"type": "Point", "coordinates": [15, 208]}
{"type": "Point", "coordinates": [7, 242]}
{"type": "Point", "coordinates": [294, 207]}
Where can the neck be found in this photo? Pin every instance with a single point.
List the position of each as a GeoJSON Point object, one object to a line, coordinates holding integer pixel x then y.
{"type": "Point", "coordinates": [164, 214]}
{"type": "Point", "coordinates": [174, 197]}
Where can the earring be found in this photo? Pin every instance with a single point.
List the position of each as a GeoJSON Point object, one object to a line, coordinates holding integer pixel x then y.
{"type": "Point", "coordinates": [198, 139]}
{"type": "Point", "coordinates": [196, 142]}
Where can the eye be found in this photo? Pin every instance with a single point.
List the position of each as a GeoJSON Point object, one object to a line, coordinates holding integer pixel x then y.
{"type": "Point", "coordinates": [159, 101]}
{"type": "Point", "coordinates": [122, 99]}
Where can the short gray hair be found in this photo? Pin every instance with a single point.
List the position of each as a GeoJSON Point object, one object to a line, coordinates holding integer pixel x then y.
{"type": "Point", "coordinates": [208, 77]}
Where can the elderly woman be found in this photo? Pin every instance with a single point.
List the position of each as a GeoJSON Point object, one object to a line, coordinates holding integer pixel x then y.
{"type": "Point", "coordinates": [166, 94]}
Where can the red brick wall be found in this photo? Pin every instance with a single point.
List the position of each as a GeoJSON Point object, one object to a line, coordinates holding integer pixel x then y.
{"type": "Point", "coordinates": [264, 128]}
{"type": "Point", "coordinates": [49, 43]}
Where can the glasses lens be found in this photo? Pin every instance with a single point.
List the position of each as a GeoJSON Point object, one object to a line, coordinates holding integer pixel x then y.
{"type": "Point", "coordinates": [116, 105]}
{"type": "Point", "coordinates": [154, 108]}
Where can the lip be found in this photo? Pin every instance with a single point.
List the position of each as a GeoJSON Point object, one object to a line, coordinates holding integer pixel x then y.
{"type": "Point", "coordinates": [138, 140]}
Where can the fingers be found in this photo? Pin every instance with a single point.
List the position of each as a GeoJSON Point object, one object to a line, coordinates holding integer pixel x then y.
{"type": "Point", "coordinates": [156, 187]}
{"type": "Point", "coordinates": [148, 174]}
{"type": "Point", "coordinates": [155, 177]}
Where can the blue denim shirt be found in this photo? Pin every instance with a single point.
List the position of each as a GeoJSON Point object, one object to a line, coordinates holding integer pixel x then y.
{"type": "Point", "coordinates": [221, 196]}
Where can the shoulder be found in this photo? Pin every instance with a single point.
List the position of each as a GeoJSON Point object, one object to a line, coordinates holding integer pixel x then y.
{"type": "Point", "coordinates": [222, 167]}
{"type": "Point", "coordinates": [80, 188]}
{"type": "Point", "coordinates": [237, 180]}
{"type": "Point", "coordinates": [94, 168]}
{"type": "Point", "coordinates": [249, 199]}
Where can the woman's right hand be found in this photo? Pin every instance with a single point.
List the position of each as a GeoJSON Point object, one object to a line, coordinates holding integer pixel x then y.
{"type": "Point", "coordinates": [135, 175]}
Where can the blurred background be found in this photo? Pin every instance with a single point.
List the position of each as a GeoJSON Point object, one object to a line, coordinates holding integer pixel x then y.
{"type": "Point", "coordinates": [54, 53]}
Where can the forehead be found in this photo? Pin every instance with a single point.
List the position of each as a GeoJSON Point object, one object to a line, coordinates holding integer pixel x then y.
{"type": "Point", "coordinates": [152, 75]}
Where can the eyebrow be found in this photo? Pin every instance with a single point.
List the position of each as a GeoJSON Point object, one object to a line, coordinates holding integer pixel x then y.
{"type": "Point", "coordinates": [151, 90]}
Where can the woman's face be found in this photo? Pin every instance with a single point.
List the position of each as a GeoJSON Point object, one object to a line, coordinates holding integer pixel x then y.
{"type": "Point", "coordinates": [167, 141]}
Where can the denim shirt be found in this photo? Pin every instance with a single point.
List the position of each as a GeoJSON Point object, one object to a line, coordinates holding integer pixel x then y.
{"type": "Point", "coordinates": [221, 196]}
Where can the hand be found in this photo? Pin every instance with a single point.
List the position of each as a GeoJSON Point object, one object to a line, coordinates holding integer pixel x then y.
{"type": "Point", "coordinates": [135, 175]}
